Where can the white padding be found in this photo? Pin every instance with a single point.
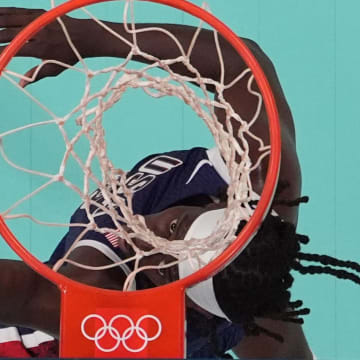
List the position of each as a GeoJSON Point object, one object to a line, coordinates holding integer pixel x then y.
{"type": "Point", "coordinates": [203, 293]}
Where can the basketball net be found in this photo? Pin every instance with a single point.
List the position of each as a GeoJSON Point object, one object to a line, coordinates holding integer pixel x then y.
{"type": "Point", "coordinates": [113, 196]}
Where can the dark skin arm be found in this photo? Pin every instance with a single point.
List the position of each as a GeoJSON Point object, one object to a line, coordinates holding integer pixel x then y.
{"type": "Point", "coordinates": [265, 347]}
{"type": "Point", "coordinates": [50, 44]}
{"type": "Point", "coordinates": [25, 294]}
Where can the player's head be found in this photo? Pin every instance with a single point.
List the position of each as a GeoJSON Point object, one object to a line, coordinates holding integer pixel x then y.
{"type": "Point", "coordinates": [258, 282]}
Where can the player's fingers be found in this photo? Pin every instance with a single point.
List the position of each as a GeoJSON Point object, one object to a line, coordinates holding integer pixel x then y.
{"type": "Point", "coordinates": [19, 53]}
{"type": "Point", "coordinates": [8, 10]}
{"type": "Point", "coordinates": [29, 74]}
{"type": "Point", "coordinates": [47, 70]}
{"type": "Point", "coordinates": [24, 51]}
{"type": "Point", "coordinates": [2, 49]}
{"type": "Point", "coordinates": [7, 21]}
{"type": "Point", "coordinates": [8, 35]}
{"type": "Point", "coordinates": [30, 49]}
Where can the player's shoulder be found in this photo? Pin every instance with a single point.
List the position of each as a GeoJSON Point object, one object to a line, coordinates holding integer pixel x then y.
{"type": "Point", "coordinates": [180, 153]}
{"type": "Point", "coordinates": [161, 162]}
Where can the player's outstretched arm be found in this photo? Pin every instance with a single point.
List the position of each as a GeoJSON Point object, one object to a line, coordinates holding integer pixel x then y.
{"type": "Point", "coordinates": [50, 43]}
{"type": "Point", "coordinates": [29, 300]}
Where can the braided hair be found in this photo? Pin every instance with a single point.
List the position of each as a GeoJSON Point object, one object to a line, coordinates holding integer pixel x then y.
{"type": "Point", "coordinates": [257, 283]}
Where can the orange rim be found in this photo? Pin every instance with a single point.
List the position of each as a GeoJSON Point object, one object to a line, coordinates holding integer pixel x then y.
{"type": "Point", "coordinates": [274, 130]}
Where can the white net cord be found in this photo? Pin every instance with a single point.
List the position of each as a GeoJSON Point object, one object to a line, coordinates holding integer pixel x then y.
{"type": "Point", "coordinates": [113, 197]}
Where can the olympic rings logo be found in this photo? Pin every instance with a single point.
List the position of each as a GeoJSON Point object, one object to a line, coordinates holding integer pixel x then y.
{"type": "Point", "coordinates": [125, 335]}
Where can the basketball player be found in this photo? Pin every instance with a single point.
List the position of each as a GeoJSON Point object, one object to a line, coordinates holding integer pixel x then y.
{"type": "Point", "coordinates": [192, 177]}
{"type": "Point", "coordinates": [208, 335]}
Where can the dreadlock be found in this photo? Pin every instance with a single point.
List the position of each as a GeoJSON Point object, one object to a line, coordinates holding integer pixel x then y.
{"type": "Point", "coordinates": [261, 274]}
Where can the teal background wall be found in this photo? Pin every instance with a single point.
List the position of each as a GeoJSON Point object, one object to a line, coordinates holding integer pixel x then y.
{"type": "Point", "coordinates": [314, 47]}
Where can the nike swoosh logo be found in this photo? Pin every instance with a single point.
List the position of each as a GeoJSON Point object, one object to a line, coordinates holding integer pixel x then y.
{"type": "Point", "coordinates": [198, 167]}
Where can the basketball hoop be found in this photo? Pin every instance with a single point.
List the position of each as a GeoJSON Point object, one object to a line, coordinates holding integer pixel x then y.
{"type": "Point", "coordinates": [154, 317]}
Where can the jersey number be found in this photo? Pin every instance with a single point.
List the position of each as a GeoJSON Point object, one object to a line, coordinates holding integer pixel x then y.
{"type": "Point", "coordinates": [147, 172]}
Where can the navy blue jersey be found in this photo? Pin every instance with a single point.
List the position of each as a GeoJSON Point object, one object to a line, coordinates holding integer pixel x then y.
{"type": "Point", "coordinates": [158, 182]}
